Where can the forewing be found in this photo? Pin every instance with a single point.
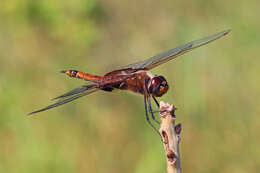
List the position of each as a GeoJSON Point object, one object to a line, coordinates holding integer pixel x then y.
{"type": "Point", "coordinates": [69, 96]}
{"type": "Point", "coordinates": [173, 53]}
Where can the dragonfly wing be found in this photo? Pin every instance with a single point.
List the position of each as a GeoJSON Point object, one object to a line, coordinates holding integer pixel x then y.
{"type": "Point", "coordinates": [173, 53]}
{"type": "Point", "coordinates": [70, 96]}
{"type": "Point", "coordinates": [76, 91]}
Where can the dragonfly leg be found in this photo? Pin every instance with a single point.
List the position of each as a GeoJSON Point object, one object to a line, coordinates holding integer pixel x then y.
{"type": "Point", "coordinates": [147, 116]}
{"type": "Point", "coordinates": [151, 111]}
{"type": "Point", "coordinates": [157, 103]}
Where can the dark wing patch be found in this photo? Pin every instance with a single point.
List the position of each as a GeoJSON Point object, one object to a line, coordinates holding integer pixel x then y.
{"type": "Point", "coordinates": [173, 53]}
{"type": "Point", "coordinates": [68, 97]}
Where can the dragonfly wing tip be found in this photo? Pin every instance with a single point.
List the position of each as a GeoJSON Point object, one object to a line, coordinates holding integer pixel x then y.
{"type": "Point", "coordinates": [227, 31]}
{"type": "Point", "coordinates": [29, 114]}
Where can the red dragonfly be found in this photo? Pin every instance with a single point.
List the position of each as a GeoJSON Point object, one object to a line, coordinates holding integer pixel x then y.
{"type": "Point", "coordinates": [134, 77]}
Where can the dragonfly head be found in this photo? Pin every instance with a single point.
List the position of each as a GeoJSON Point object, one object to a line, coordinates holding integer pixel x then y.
{"type": "Point", "coordinates": [158, 86]}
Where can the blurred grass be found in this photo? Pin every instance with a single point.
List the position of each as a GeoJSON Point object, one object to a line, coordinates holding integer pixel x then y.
{"type": "Point", "coordinates": [216, 87]}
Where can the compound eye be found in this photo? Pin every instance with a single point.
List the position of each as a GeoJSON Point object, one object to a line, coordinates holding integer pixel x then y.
{"type": "Point", "coordinates": [158, 86]}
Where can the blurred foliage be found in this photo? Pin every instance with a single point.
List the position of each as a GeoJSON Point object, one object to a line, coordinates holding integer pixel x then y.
{"type": "Point", "coordinates": [216, 87]}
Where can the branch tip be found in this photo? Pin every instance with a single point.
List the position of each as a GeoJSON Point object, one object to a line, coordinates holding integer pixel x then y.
{"type": "Point", "coordinates": [170, 134]}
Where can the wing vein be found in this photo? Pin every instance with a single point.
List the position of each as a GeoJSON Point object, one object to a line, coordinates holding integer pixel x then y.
{"type": "Point", "coordinates": [175, 52]}
{"type": "Point", "coordinates": [68, 97]}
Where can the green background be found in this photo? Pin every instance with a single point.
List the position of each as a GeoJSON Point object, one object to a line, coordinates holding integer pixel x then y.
{"type": "Point", "coordinates": [215, 87]}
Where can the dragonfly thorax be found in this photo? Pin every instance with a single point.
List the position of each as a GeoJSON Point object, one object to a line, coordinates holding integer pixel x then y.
{"type": "Point", "coordinates": [157, 86]}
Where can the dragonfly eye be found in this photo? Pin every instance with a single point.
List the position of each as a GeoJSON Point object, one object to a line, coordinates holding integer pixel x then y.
{"type": "Point", "coordinates": [158, 86]}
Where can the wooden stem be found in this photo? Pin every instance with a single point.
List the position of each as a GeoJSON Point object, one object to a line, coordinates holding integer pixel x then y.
{"type": "Point", "coordinates": [170, 134]}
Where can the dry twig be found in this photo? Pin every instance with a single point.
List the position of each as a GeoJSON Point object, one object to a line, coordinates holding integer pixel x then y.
{"type": "Point", "coordinates": [171, 137]}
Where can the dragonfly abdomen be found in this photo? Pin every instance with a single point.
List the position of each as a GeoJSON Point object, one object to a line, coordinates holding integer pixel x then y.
{"type": "Point", "coordinates": [82, 75]}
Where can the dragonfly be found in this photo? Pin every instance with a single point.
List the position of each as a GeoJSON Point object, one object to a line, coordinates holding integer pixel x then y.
{"type": "Point", "coordinates": [134, 77]}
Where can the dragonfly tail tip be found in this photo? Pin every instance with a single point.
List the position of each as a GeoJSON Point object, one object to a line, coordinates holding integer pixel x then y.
{"type": "Point", "coordinates": [63, 71]}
